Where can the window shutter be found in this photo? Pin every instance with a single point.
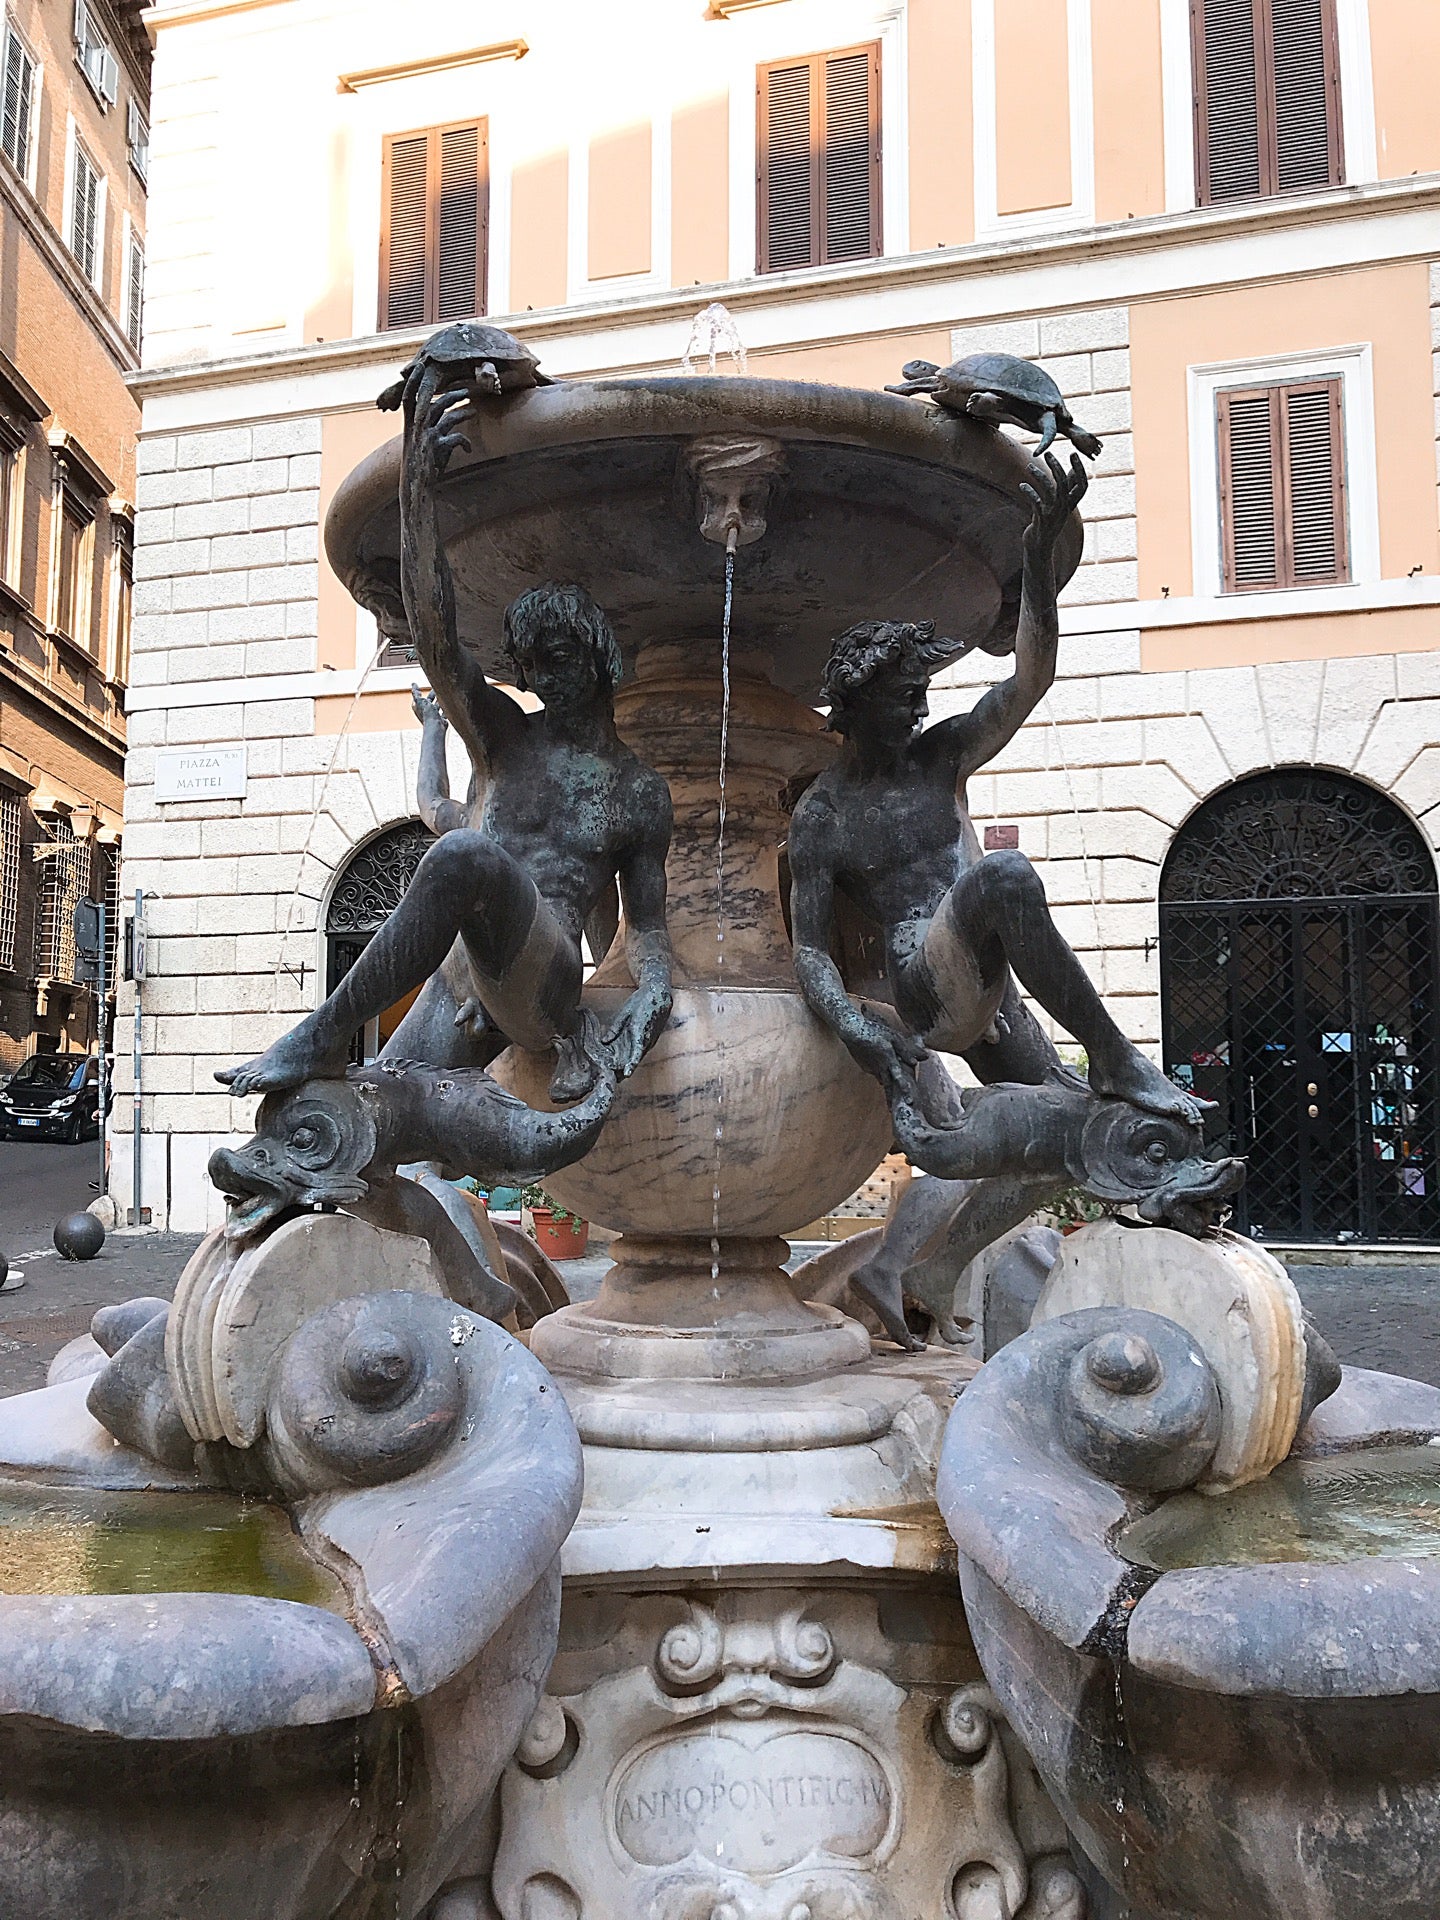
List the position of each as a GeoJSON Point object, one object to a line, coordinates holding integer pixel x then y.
{"type": "Point", "coordinates": [458, 234]}
{"type": "Point", "coordinates": [1267, 97]}
{"type": "Point", "coordinates": [1314, 478]}
{"type": "Point", "coordinates": [15, 105]}
{"type": "Point", "coordinates": [1249, 493]}
{"type": "Point", "coordinates": [1282, 486]}
{"type": "Point", "coordinates": [788, 214]}
{"type": "Point", "coordinates": [1227, 100]}
{"type": "Point", "coordinates": [818, 165]}
{"type": "Point", "coordinates": [432, 244]}
{"type": "Point", "coordinates": [135, 294]}
{"type": "Point", "coordinates": [1305, 73]}
{"type": "Point", "coordinates": [851, 165]}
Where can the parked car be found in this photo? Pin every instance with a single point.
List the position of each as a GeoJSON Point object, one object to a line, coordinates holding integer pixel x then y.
{"type": "Point", "coordinates": [52, 1096]}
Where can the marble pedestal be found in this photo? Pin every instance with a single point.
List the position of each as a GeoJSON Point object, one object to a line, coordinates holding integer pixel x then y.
{"type": "Point", "coordinates": [766, 1704]}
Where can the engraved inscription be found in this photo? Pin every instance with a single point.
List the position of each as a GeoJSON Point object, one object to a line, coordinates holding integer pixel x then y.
{"type": "Point", "coordinates": [760, 1800]}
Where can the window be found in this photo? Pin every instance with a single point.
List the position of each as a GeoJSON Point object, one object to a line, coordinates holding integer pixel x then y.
{"type": "Point", "coordinates": [12, 441]}
{"type": "Point", "coordinates": [17, 106]}
{"type": "Point", "coordinates": [134, 292]}
{"type": "Point", "coordinates": [9, 877]}
{"type": "Point", "coordinates": [73, 547]}
{"type": "Point", "coordinates": [436, 212]}
{"type": "Point", "coordinates": [818, 166]}
{"type": "Point", "coordinates": [94, 58]}
{"type": "Point", "coordinates": [137, 138]}
{"type": "Point", "coordinates": [1267, 97]}
{"type": "Point", "coordinates": [1282, 486]}
{"type": "Point", "coordinates": [86, 214]}
{"type": "Point", "coordinates": [65, 880]}
{"type": "Point", "coordinates": [122, 598]}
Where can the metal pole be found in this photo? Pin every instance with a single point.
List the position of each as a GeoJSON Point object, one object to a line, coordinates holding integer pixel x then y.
{"type": "Point", "coordinates": [100, 986]}
{"type": "Point", "coordinates": [138, 949]}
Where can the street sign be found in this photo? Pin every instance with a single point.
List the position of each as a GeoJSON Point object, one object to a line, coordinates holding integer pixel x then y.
{"type": "Point", "coordinates": [87, 940]}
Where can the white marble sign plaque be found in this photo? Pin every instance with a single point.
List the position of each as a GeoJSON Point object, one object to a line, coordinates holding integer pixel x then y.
{"type": "Point", "coordinates": [200, 773]}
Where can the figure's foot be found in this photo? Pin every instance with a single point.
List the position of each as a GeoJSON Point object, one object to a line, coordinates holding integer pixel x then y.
{"type": "Point", "coordinates": [293, 1060]}
{"type": "Point", "coordinates": [575, 1070]}
{"type": "Point", "coordinates": [1129, 1076]}
{"type": "Point", "coordinates": [881, 1292]}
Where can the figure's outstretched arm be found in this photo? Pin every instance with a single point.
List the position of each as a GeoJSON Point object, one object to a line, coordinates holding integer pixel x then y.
{"type": "Point", "coordinates": [647, 939]}
{"type": "Point", "coordinates": [484, 716]}
{"type": "Point", "coordinates": [432, 787]}
{"type": "Point", "coordinates": [971, 739]}
{"type": "Point", "coordinates": [890, 1056]}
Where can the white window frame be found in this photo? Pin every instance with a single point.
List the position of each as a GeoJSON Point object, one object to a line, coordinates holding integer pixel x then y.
{"type": "Point", "coordinates": [990, 223]}
{"type": "Point", "coordinates": [37, 73]}
{"type": "Point", "coordinates": [76, 150]}
{"type": "Point", "coordinates": [95, 57]}
{"type": "Point", "coordinates": [799, 31]}
{"type": "Point", "coordinates": [83, 601]}
{"type": "Point", "coordinates": [1357, 103]}
{"type": "Point", "coordinates": [1353, 367]}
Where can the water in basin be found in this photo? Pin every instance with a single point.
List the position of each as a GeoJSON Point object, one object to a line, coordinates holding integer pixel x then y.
{"type": "Point", "coordinates": [78, 1540]}
{"type": "Point", "coordinates": [1353, 1506]}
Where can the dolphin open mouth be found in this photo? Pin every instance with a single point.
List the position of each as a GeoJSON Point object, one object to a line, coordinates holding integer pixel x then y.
{"type": "Point", "coordinates": [1194, 1203]}
{"type": "Point", "coordinates": [256, 1194]}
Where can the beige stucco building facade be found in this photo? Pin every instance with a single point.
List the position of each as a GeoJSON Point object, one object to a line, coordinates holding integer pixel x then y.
{"type": "Point", "coordinates": [1039, 183]}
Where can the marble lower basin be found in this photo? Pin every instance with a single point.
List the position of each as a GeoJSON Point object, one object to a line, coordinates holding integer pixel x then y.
{"type": "Point", "coordinates": [1258, 1740]}
{"type": "Point", "coordinates": [316, 1743]}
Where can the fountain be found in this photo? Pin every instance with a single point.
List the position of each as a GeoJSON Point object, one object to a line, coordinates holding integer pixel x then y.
{"type": "Point", "coordinates": [761, 1694]}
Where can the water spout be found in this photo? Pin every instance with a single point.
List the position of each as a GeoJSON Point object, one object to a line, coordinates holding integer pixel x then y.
{"type": "Point", "coordinates": [733, 475]}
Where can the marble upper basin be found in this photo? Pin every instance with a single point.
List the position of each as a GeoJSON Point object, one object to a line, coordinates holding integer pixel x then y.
{"type": "Point", "coordinates": [885, 508]}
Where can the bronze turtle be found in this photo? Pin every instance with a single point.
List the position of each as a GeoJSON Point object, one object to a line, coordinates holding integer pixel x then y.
{"type": "Point", "coordinates": [998, 387]}
{"type": "Point", "coordinates": [472, 354]}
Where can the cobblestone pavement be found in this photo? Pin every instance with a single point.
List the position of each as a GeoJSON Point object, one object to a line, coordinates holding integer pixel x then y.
{"type": "Point", "coordinates": [1386, 1317]}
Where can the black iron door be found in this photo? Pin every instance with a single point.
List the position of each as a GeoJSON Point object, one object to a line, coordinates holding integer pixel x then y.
{"type": "Point", "coordinates": [1310, 1019]}
{"type": "Point", "coordinates": [370, 887]}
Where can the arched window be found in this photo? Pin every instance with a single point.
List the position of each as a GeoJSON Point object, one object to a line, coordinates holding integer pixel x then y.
{"type": "Point", "coordinates": [370, 886]}
{"type": "Point", "coordinates": [1298, 945]}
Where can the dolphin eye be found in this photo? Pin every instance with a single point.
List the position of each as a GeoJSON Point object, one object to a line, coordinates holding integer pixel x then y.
{"type": "Point", "coordinates": [303, 1137]}
{"type": "Point", "coordinates": [1157, 1151]}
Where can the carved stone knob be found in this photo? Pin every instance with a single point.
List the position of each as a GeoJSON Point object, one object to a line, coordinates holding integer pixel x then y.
{"type": "Point", "coordinates": [1139, 1406]}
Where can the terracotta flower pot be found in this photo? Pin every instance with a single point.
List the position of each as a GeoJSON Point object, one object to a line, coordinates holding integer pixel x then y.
{"type": "Point", "coordinates": [559, 1239]}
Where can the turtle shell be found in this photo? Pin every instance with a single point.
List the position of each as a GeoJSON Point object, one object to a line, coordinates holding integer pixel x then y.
{"type": "Point", "coordinates": [1004, 373]}
{"type": "Point", "coordinates": [473, 340]}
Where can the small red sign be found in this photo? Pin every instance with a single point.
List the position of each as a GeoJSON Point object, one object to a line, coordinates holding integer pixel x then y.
{"type": "Point", "coordinates": [1002, 839]}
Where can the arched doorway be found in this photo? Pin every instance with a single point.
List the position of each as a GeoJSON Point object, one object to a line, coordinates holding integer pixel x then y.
{"type": "Point", "coordinates": [371, 885]}
{"type": "Point", "coordinates": [1298, 944]}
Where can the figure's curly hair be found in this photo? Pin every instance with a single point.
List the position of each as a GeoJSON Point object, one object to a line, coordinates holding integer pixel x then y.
{"type": "Point", "coordinates": [556, 606]}
{"type": "Point", "coordinates": [858, 654]}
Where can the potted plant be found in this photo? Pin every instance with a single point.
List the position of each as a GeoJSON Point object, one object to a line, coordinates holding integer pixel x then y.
{"type": "Point", "coordinates": [559, 1234]}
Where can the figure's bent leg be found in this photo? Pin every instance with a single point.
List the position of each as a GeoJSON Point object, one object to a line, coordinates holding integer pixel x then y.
{"type": "Point", "coordinates": [1021, 1052]}
{"type": "Point", "coordinates": [465, 884]}
{"type": "Point", "coordinates": [1000, 903]}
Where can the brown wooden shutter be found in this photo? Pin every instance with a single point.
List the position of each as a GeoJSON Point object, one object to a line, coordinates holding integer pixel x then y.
{"type": "Point", "coordinates": [432, 245]}
{"type": "Point", "coordinates": [1267, 97]}
{"type": "Point", "coordinates": [1282, 492]}
{"type": "Point", "coordinates": [818, 165]}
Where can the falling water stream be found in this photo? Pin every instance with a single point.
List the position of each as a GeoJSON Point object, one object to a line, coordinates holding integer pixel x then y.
{"type": "Point", "coordinates": [731, 542]}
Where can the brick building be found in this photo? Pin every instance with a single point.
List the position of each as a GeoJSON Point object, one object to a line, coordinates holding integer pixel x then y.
{"type": "Point", "coordinates": [74, 104]}
{"type": "Point", "coordinates": [1226, 253]}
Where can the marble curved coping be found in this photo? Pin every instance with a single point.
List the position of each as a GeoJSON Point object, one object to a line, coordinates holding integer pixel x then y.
{"type": "Point", "coordinates": [179, 1666]}
{"type": "Point", "coordinates": [1015, 1501]}
{"type": "Point", "coordinates": [439, 1560]}
{"type": "Point", "coordinates": [434, 1564]}
{"type": "Point", "coordinates": [1041, 1527]}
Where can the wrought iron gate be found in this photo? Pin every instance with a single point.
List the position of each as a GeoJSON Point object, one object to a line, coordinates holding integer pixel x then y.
{"type": "Point", "coordinates": [1298, 939]}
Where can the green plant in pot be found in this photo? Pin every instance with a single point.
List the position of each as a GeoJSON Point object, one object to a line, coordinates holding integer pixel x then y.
{"type": "Point", "coordinates": [558, 1232]}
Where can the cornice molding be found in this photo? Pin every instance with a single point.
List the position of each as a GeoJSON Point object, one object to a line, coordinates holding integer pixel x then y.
{"type": "Point", "coordinates": [31, 684]}
{"type": "Point", "coordinates": [436, 63]}
{"type": "Point", "coordinates": [1159, 233]}
{"type": "Point", "coordinates": [185, 13]}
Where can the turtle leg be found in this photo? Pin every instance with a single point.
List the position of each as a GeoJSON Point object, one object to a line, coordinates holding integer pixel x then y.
{"type": "Point", "coordinates": [1048, 424]}
{"type": "Point", "coordinates": [989, 407]}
